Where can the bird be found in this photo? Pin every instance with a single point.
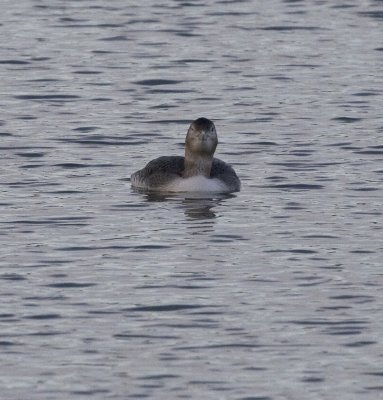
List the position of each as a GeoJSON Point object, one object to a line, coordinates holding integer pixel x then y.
{"type": "Point", "coordinates": [197, 171]}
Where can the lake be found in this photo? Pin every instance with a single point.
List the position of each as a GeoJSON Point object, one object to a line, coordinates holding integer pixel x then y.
{"type": "Point", "coordinates": [271, 293]}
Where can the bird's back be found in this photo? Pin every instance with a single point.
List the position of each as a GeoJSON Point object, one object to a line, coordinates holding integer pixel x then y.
{"type": "Point", "coordinates": [162, 172]}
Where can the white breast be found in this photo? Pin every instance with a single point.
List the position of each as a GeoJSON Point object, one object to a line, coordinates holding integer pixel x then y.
{"type": "Point", "coordinates": [196, 184]}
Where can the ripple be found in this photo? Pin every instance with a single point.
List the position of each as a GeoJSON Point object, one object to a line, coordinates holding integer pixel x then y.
{"type": "Point", "coordinates": [102, 140]}
{"type": "Point", "coordinates": [294, 251]}
{"type": "Point", "coordinates": [7, 343]}
{"type": "Point", "coordinates": [158, 377]}
{"type": "Point", "coordinates": [347, 120]}
{"type": "Point", "coordinates": [342, 328]}
{"type": "Point", "coordinates": [31, 155]}
{"type": "Point", "coordinates": [367, 93]}
{"type": "Point", "coordinates": [360, 343]}
{"type": "Point", "coordinates": [143, 336]}
{"type": "Point", "coordinates": [86, 129]}
{"type": "Point", "coordinates": [296, 186]}
{"type": "Point", "coordinates": [14, 62]}
{"type": "Point", "coordinates": [164, 308]}
{"type": "Point", "coordinates": [157, 82]}
{"type": "Point", "coordinates": [87, 72]}
{"type": "Point", "coordinates": [59, 220]}
{"type": "Point", "coordinates": [378, 14]}
{"type": "Point", "coordinates": [89, 392]}
{"type": "Point", "coordinates": [117, 38]}
{"type": "Point", "coordinates": [43, 316]}
{"type": "Point", "coordinates": [48, 97]}
{"type": "Point", "coordinates": [78, 165]}
{"type": "Point", "coordinates": [12, 277]}
{"type": "Point", "coordinates": [256, 398]}
{"type": "Point", "coordinates": [284, 28]}
{"type": "Point", "coordinates": [70, 285]}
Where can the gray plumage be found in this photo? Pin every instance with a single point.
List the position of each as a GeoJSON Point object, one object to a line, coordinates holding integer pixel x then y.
{"type": "Point", "coordinates": [197, 171]}
{"type": "Point", "coordinates": [163, 170]}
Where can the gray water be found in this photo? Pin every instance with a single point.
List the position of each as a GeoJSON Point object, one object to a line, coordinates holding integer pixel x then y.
{"type": "Point", "coordinates": [271, 293]}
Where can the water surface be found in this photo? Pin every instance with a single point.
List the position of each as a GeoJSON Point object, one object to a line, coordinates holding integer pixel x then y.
{"type": "Point", "coordinates": [271, 293]}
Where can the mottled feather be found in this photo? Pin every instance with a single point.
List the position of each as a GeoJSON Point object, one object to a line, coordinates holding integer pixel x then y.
{"type": "Point", "coordinates": [161, 171]}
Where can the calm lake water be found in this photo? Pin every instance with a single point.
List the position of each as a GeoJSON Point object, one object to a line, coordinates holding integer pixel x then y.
{"type": "Point", "coordinates": [272, 293]}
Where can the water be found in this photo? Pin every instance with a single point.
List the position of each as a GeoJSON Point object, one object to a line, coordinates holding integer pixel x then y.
{"type": "Point", "coordinates": [271, 293]}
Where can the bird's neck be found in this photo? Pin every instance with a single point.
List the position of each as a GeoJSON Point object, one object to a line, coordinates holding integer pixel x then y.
{"type": "Point", "coordinates": [197, 164]}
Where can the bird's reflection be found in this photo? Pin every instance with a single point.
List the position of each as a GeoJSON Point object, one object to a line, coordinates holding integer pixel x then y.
{"type": "Point", "coordinates": [199, 210]}
{"type": "Point", "coordinates": [196, 206]}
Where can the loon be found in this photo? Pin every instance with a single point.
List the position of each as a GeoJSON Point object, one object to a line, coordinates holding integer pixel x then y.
{"type": "Point", "coordinates": [198, 171]}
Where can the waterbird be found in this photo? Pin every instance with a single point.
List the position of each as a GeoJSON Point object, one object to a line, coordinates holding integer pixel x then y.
{"type": "Point", "coordinates": [197, 171]}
